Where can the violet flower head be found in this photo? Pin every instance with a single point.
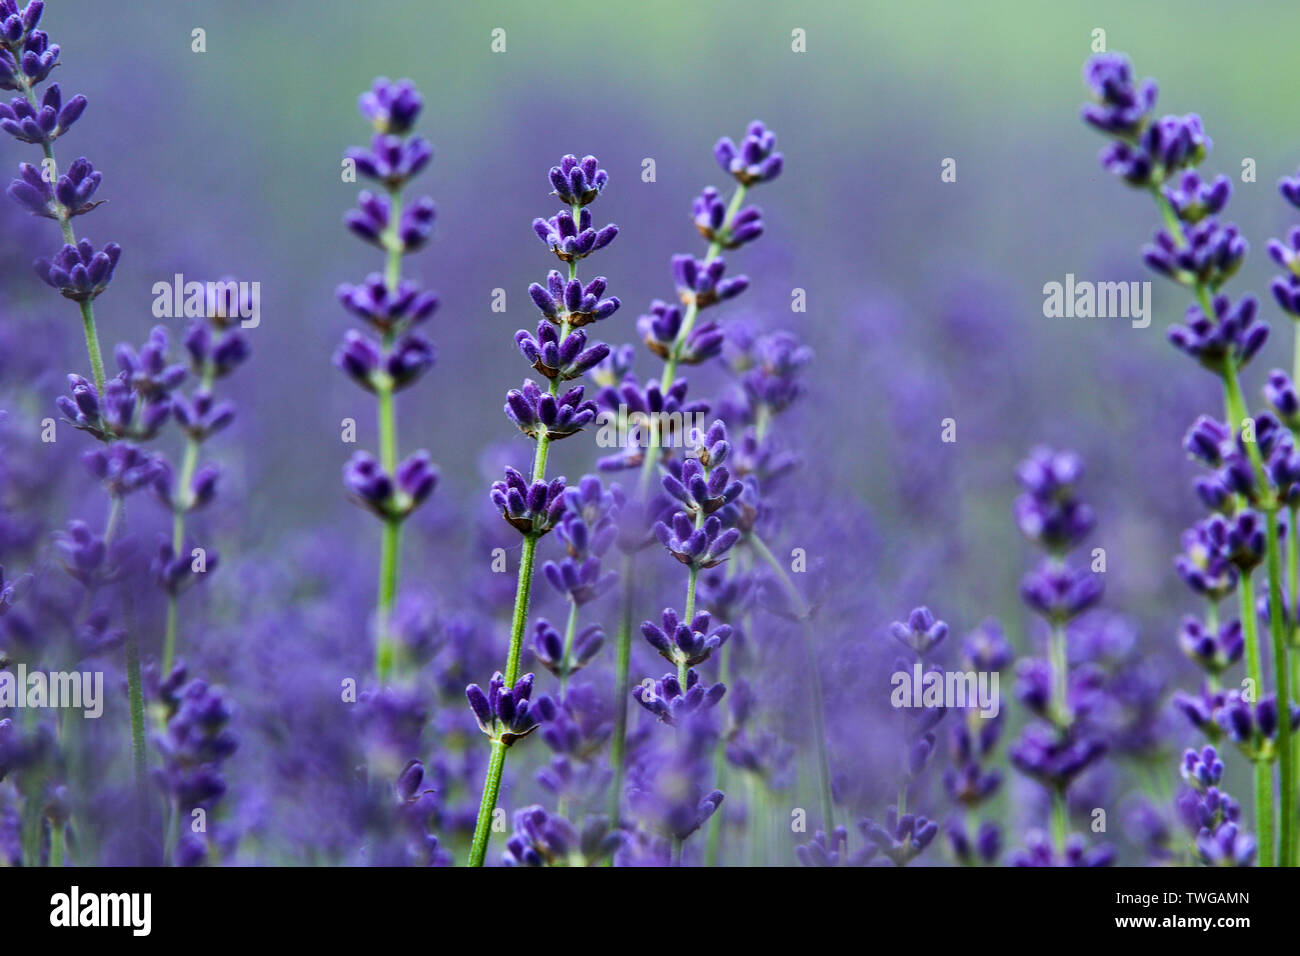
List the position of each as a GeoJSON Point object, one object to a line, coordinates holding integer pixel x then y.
{"type": "Point", "coordinates": [538, 413]}
{"type": "Point", "coordinates": [921, 632]}
{"type": "Point", "coordinates": [666, 699]}
{"type": "Point", "coordinates": [1060, 593]}
{"type": "Point", "coordinates": [661, 328]}
{"type": "Point", "coordinates": [568, 301]}
{"type": "Point", "coordinates": [573, 239]}
{"type": "Point", "coordinates": [1122, 106]}
{"type": "Point", "coordinates": [545, 839]}
{"type": "Point", "coordinates": [532, 509]}
{"type": "Point", "coordinates": [1210, 256]}
{"type": "Point", "coordinates": [823, 850]}
{"type": "Point", "coordinates": [392, 107]}
{"type": "Point", "coordinates": [701, 547]}
{"type": "Point", "coordinates": [683, 643]}
{"type": "Point", "coordinates": [548, 647]}
{"type": "Point", "coordinates": [1038, 852]}
{"type": "Point", "coordinates": [754, 160]}
{"type": "Point", "coordinates": [507, 714]}
{"type": "Point", "coordinates": [390, 496]}
{"type": "Point", "coordinates": [578, 182]}
{"type": "Point", "coordinates": [80, 272]}
{"type": "Point", "coordinates": [41, 124]}
{"type": "Point", "coordinates": [710, 213]}
{"type": "Point", "coordinates": [388, 310]}
{"type": "Point", "coordinates": [703, 283]}
{"type": "Point", "coordinates": [1192, 199]}
{"type": "Point", "coordinates": [1214, 652]}
{"type": "Point", "coordinates": [72, 191]}
{"type": "Point", "coordinates": [1050, 513]}
{"type": "Point", "coordinates": [901, 838]}
{"type": "Point", "coordinates": [560, 359]}
{"type": "Point", "coordinates": [1231, 335]}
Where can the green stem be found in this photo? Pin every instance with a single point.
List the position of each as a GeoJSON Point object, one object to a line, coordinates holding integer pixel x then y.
{"type": "Point", "coordinates": [1060, 821]}
{"type": "Point", "coordinates": [180, 506]}
{"type": "Point", "coordinates": [1264, 819]}
{"type": "Point", "coordinates": [1060, 674]}
{"type": "Point", "coordinates": [570, 629]}
{"type": "Point", "coordinates": [1281, 674]}
{"type": "Point", "coordinates": [814, 675]}
{"type": "Point", "coordinates": [622, 686]}
{"type": "Point", "coordinates": [1250, 631]}
{"type": "Point", "coordinates": [491, 786]}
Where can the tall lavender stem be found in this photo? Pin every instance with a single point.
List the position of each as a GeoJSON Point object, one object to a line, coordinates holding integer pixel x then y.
{"type": "Point", "coordinates": [391, 306]}
{"type": "Point", "coordinates": [534, 506]}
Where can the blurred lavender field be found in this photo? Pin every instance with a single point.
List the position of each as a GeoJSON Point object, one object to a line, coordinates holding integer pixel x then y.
{"type": "Point", "coordinates": [934, 372]}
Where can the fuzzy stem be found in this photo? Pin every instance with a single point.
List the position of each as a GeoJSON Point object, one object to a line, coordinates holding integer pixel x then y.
{"type": "Point", "coordinates": [817, 704]}
{"type": "Point", "coordinates": [1281, 676]}
{"type": "Point", "coordinates": [491, 786]}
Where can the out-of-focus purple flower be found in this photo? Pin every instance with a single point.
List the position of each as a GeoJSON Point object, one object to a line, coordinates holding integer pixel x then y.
{"type": "Point", "coordinates": [1050, 513]}
{"type": "Point", "coordinates": [1232, 335]}
{"type": "Point", "coordinates": [391, 106]}
{"type": "Point", "coordinates": [548, 646]}
{"type": "Point", "coordinates": [1211, 255]}
{"type": "Point", "coordinates": [391, 159]}
{"type": "Point", "coordinates": [682, 643]}
{"type": "Point", "coordinates": [702, 283]}
{"type": "Point", "coordinates": [702, 547]}
{"type": "Point", "coordinates": [1122, 105]}
{"type": "Point", "coordinates": [823, 850]}
{"type": "Point", "coordinates": [41, 124]}
{"type": "Point", "coordinates": [900, 838]}
{"type": "Point", "coordinates": [176, 572]}
{"type": "Point", "coordinates": [1192, 199]}
{"type": "Point", "coordinates": [921, 631]}
{"type": "Point", "coordinates": [666, 699]}
{"type": "Point", "coordinates": [70, 195]}
{"type": "Point", "coordinates": [79, 272]}
{"type": "Point", "coordinates": [1215, 653]}
{"type": "Point", "coordinates": [1038, 852]}
{"type": "Point", "coordinates": [661, 327]}
{"type": "Point", "coordinates": [755, 160]}
{"type": "Point", "coordinates": [1060, 593]}
{"type": "Point", "coordinates": [710, 212]}
{"type": "Point", "coordinates": [388, 496]}
{"type": "Point", "coordinates": [544, 839]}
{"type": "Point", "coordinates": [1052, 759]}
{"type": "Point", "coordinates": [386, 309]}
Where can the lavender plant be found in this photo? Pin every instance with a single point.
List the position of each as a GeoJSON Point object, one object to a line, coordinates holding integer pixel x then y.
{"type": "Point", "coordinates": [80, 273]}
{"type": "Point", "coordinates": [1251, 461]}
{"type": "Point", "coordinates": [534, 506]}
{"type": "Point", "coordinates": [391, 307]}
